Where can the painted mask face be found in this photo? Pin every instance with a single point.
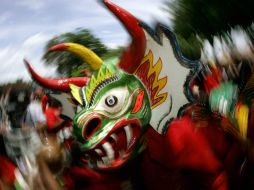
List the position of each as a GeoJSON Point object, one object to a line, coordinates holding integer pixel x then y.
{"type": "Point", "coordinates": [114, 115]}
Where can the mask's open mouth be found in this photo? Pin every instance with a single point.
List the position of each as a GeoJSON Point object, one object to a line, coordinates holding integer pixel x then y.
{"type": "Point", "coordinates": [116, 147]}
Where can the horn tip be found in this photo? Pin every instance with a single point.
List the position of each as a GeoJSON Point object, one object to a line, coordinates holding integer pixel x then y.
{"type": "Point", "coordinates": [26, 63]}
{"type": "Point", "coordinates": [58, 47]}
{"type": "Point", "coordinates": [107, 3]}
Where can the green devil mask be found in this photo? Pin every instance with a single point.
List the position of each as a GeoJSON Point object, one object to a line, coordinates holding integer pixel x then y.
{"type": "Point", "coordinates": [114, 114]}
{"type": "Point", "coordinates": [119, 101]}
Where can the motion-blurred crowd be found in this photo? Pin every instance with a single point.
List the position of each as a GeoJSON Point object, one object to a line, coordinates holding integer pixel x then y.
{"type": "Point", "coordinates": [34, 139]}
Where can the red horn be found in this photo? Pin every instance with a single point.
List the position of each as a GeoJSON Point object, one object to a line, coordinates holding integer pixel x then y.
{"type": "Point", "coordinates": [134, 54]}
{"type": "Point", "coordinates": [57, 84]}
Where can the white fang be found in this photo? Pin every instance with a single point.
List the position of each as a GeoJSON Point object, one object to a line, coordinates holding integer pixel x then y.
{"type": "Point", "coordinates": [98, 151]}
{"type": "Point", "coordinates": [128, 133]}
{"type": "Point", "coordinates": [100, 164]}
{"type": "Point", "coordinates": [114, 136]}
{"type": "Point", "coordinates": [109, 150]}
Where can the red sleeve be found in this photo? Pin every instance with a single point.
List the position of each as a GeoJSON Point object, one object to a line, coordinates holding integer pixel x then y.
{"type": "Point", "coordinates": [188, 147]}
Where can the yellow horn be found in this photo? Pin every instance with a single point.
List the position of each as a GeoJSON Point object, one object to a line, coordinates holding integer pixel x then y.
{"type": "Point", "coordinates": [86, 54]}
{"type": "Point", "coordinates": [75, 93]}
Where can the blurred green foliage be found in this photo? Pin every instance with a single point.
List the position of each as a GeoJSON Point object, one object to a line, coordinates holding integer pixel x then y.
{"type": "Point", "coordinates": [69, 64]}
{"type": "Point", "coordinates": [202, 19]}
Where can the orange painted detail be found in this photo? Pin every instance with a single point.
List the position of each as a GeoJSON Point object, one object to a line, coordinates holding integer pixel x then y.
{"type": "Point", "coordinates": [139, 102]}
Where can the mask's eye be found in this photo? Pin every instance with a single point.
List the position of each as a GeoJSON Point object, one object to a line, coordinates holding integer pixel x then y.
{"type": "Point", "coordinates": [111, 101]}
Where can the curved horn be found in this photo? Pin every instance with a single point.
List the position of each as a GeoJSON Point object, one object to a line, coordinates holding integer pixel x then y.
{"type": "Point", "coordinates": [134, 54]}
{"type": "Point", "coordinates": [56, 84]}
{"type": "Point", "coordinates": [93, 60]}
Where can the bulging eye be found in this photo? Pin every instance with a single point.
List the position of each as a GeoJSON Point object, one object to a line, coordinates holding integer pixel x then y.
{"type": "Point", "coordinates": [111, 101]}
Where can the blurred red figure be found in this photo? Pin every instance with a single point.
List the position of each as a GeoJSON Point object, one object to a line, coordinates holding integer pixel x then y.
{"type": "Point", "coordinates": [58, 125]}
{"type": "Point", "coordinates": [55, 120]}
{"type": "Point", "coordinates": [52, 113]}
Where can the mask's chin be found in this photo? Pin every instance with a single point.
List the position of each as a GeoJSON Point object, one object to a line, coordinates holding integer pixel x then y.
{"type": "Point", "coordinates": [116, 148]}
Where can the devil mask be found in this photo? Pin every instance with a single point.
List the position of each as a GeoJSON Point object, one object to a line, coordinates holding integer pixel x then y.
{"type": "Point", "coordinates": [119, 101]}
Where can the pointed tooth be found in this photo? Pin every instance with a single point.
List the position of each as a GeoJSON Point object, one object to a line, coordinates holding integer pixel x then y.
{"type": "Point", "coordinates": [128, 133]}
{"type": "Point", "coordinates": [98, 151]}
{"type": "Point", "coordinates": [100, 164]}
{"type": "Point", "coordinates": [106, 161]}
{"type": "Point", "coordinates": [109, 150]}
{"type": "Point", "coordinates": [114, 136]}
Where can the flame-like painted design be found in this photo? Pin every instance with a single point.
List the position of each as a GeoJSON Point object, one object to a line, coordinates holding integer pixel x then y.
{"type": "Point", "coordinates": [149, 75]}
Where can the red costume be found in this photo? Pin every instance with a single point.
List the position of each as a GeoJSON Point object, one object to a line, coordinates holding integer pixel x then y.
{"type": "Point", "coordinates": [185, 158]}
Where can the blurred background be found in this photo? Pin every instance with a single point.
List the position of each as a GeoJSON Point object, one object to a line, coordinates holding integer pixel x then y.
{"type": "Point", "coordinates": [30, 27]}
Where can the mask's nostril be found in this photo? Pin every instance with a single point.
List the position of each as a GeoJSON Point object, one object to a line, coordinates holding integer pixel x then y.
{"type": "Point", "coordinates": [91, 127]}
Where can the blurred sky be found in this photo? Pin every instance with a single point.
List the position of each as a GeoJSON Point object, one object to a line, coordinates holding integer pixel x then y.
{"type": "Point", "coordinates": [26, 26]}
